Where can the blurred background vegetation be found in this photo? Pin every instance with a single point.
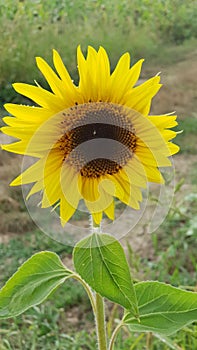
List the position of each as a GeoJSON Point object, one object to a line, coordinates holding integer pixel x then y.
{"type": "Point", "coordinates": [163, 32]}
{"type": "Point", "coordinates": [156, 30]}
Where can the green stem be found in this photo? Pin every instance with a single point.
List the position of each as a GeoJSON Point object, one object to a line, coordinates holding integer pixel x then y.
{"type": "Point", "coordinates": [113, 337]}
{"type": "Point", "coordinates": [100, 311]}
{"type": "Point", "coordinates": [100, 323]}
{"type": "Point", "coordinates": [88, 291]}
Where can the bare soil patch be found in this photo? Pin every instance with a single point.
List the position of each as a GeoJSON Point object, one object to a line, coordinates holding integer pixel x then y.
{"type": "Point", "coordinates": [178, 92]}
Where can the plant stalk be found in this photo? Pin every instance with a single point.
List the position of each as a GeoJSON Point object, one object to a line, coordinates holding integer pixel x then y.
{"type": "Point", "coordinates": [88, 291]}
{"type": "Point", "coordinates": [114, 334]}
{"type": "Point", "coordinates": [100, 310]}
{"type": "Point", "coordinates": [100, 323]}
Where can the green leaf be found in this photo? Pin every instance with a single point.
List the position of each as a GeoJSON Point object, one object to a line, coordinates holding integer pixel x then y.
{"type": "Point", "coordinates": [167, 341]}
{"type": "Point", "coordinates": [163, 309]}
{"type": "Point", "coordinates": [100, 261]}
{"type": "Point", "coordinates": [32, 283]}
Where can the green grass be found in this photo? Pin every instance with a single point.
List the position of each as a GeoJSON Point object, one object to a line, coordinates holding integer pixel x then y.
{"type": "Point", "coordinates": [187, 139]}
{"type": "Point", "coordinates": [175, 245]}
{"type": "Point", "coordinates": [39, 330]}
{"type": "Point", "coordinates": [145, 29]}
{"type": "Point", "coordinates": [19, 249]}
{"type": "Point", "coordinates": [193, 176]}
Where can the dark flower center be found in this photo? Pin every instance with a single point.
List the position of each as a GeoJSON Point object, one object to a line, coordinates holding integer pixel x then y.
{"type": "Point", "coordinates": [98, 138]}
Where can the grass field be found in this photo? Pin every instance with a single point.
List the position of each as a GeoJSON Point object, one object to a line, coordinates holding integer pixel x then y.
{"type": "Point", "coordinates": [165, 34]}
{"type": "Point", "coordinates": [34, 28]}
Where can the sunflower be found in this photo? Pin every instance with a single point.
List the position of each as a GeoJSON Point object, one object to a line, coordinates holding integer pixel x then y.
{"type": "Point", "coordinates": [92, 142]}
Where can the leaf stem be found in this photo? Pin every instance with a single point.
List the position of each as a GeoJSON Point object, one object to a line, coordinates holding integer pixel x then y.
{"type": "Point", "coordinates": [100, 323]}
{"type": "Point", "coordinates": [88, 291]}
{"type": "Point", "coordinates": [114, 334]}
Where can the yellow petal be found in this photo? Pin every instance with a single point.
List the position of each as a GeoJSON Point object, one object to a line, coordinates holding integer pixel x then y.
{"type": "Point", "coordinates": [71, 92]}
{"type": "Point", "coordinates": [83, 75]}
{"type": "Point", "coordinates": [146, 85]}
{"type": "Point", "coordinates": [97, 217]}
{"type": "Point", "coordinates": [135, 177]}
{"type": "Point", "coordinates": [109, 211]}
{"type": "Point", "coordinates": [121, 189]}
{"type": "Point", "coordinates": [103, 75]}
{"type": "Point", "coordinates": [15, 122]}
{"type": "Point", "coordinates": [169, 134]}
{"type": "Point", "coordinates": [119, 77]}
{"type": "Point", "coordinates": [28, 114]}
{"type": "Point", "coordinates": [154, 175]}
{"type": "Point", "coordinates": [19, 131]}
{"type": "Point", "coordinates": [37, 187]}
{"type": "Point", "coordinates": [151, 157]}
{"type": "Point", "coordinates": [41, 96]}
{"type": "Point", "coordinates": [173, 148]}
{"type": "Point", "coordinates": [54, 82]}
{"type": "Point", "coordinates": [131, 192]}
{"type": "Point", "coordinates": [89, 189]}
{"type": "Point", "coordinates": [134, 74]}
{"type": "Point", "coordinates": [95, 198]}
{"type": "Point", "coordinates": [52, 187]}
{"type": "Point", "coordinates": [62, 71]}
{"type": "Point", "coordinates": [91, 81]}
{"type": "Point", "coordinates": [126, 80]}
{"type": "Point", "coordinates": [142, 103]}
{"type": "Point", "coordinates": [140, 97]}
{"type": "Point", "coordinates": [66, 211]}
{"type": "Point", "coordinates": [52, 191]}
{"type": "Point", "coordinates": [70, 185]}
{"type": "Point", "coordinates": [20, 147]}
{"type": "Point", "coordinates": [31, 174]}
{"type": "Point", "coordinates": [163, 121]}
{"type": "Point", "coordinates": [111, 186]}
{"type": "Point", "coordinates": [135, 170]}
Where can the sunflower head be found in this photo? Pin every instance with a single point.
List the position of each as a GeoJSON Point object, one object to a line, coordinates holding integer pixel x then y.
{"type": "Point", "coordinates": [93, 142]}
